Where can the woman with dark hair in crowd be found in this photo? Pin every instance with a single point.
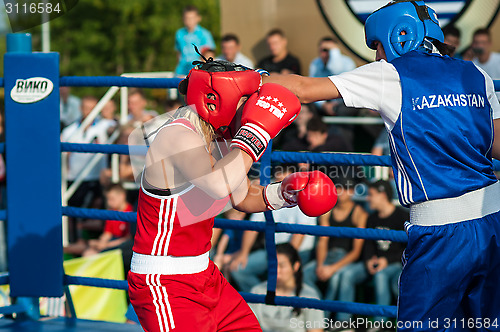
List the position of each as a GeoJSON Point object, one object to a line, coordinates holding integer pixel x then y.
{"type": "Point", "coordinates": [289, 283]}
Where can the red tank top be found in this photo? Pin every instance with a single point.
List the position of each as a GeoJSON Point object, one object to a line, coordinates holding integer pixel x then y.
{"type": "Point", "coordinates": [177, 224]}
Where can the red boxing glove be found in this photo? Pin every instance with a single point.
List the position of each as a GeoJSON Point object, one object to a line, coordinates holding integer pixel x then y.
{"type": "Point", "coordinates": [266, 112]}
{"type": "Point", "coordinates": [313, 192]}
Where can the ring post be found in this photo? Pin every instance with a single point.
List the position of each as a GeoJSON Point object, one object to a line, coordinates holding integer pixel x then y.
{"type": "Point", "coordinates": [18, 42]}
{"type": "Point", "coordinates": [33, 149]}
{"type": "Point", "coordinates": [272, 262]}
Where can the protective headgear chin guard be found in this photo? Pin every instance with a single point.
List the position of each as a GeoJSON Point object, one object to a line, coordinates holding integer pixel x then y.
{"type": "Point", "coordinates": [216, 87]}
{"type": "Point", "coordinates": [401, 26]}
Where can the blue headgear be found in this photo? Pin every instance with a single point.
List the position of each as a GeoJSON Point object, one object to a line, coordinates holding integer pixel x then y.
{"type": "Point", "coordinates": [387, 24]}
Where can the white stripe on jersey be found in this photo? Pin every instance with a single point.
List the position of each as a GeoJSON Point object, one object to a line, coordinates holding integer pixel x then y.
{"type": "Point", "coordinates": [171, 224]}
{"type": "Point", "coordinates": [161, 319]}
{"type": "Point", "coordinates": [163, 229]}
{"type": "Point", "coordinates": [160, 222]}
{"type": "Point", "coordinates": [400, 174]}
{"type": "Point", "coordinates": [169, 308]}
{"type": "Point", "coordinates": [411, 158]}
{"type": "Point", "coordinates": [162, 300]}
{"type": "Point", "coordinates": [404, 187]}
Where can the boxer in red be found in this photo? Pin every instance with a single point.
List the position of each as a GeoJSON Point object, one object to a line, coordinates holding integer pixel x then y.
{"type": "Point", "coordinates": [189, 178]}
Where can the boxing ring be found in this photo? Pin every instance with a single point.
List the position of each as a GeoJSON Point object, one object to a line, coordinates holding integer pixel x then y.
{"type": "Point", "coordinates": [34, 181]}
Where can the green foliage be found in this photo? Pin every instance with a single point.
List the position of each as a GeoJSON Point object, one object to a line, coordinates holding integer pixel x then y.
{"type": "Point", "coordinates": [113, 37]}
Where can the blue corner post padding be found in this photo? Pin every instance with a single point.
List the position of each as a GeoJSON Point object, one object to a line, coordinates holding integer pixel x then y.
{"type": "Point", "coordinates": [33, 163]}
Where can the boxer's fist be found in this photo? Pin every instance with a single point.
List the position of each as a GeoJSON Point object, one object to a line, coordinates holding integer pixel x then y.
{"type": "Point", "coordinates": [313, 192]}
{"type": "Point", "coordinates": [266, 112]}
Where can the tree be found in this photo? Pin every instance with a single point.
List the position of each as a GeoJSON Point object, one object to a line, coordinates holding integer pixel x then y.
{"type": "Point", "coordinates": [113, 37]}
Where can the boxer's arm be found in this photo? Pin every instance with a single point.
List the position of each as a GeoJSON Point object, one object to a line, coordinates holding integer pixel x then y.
{"type": "Point", "coordinates": [322, 246]}
{"type": "Point", "coordinates": [249, 196]}
{"type": "Point", "coordinates": [307, 89]}
{"type": "Point", "coordinates": [185, 151]}
{"type": "Point", "coordinates": [495, 151]}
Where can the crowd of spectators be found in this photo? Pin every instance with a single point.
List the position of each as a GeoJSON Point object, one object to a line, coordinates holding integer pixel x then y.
{"type": "Point", "coordinates": [316, 267]}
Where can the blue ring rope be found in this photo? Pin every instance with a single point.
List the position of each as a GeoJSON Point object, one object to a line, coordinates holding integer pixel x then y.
{"type": "Point", "coordinates": [104, 148]}
{"type": "Point", "coordinates": [75, 212]}
{"type": "Point", "coordinates": [107, 81]}
{"type": "Point", "coordinates": [4, 279]}
{"type": "Point", "coordinates": [12, 309]}
{"type": "Point", "coordinates": [344, 232]}
{"type": "Point", "coordinates": [328, 305]}
{"type": "Point", "coordinates": [336, 306]}
{"type": "Point", "coordinates": [95, 282]}
{"type": "Point", "coordinates": [330, 158]}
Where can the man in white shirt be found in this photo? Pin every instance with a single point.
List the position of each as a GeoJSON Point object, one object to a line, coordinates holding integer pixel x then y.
{"type": "Point", "coordinates": [484, 58]}
{"type": "Point", "coordinates": [231, 51]}
{"type": "Point", "coordinates": [330, 62]}
{"type": "Point", "coordinates": [138, 114]}
{"type": "Point", "coordinates": [69, 106]}
{"type": "Point", "coordinates": [96, 132]}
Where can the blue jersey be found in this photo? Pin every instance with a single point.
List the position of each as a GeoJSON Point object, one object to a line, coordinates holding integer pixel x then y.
{"type": "Point", "coordinates": [441, 142]}
{"type": "Point", "coordinates": [184, 41]}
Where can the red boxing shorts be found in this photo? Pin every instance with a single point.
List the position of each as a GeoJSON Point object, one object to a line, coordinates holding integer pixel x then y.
{"type": "Point", "coordinates": [201, 302]}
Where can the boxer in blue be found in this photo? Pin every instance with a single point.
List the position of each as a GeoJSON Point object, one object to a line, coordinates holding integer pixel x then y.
{"type": "Point", "coordinates": [441, 114]}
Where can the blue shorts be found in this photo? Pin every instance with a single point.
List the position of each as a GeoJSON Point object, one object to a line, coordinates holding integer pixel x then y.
{"type": "Point", "coordinates": [451, 277]}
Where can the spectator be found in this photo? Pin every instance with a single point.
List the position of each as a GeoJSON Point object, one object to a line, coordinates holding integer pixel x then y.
{"type": "Point", "coordinates": [171, 105]}
{"type": "Point", "coordinates": [337, 259]}
{"type": "Point", "coordinates": [321, 140]}
{"type": "Point", "coordinates": [115, 232]}
{"type": "Point", "coordinates": [207, 53]}
{"type": "Point", "coordinates": [226, 242]}
{"type": "Point", "coordinates": [137, 103]}
{"type": "Point", "coordinates": [248, 267]}
{"type": "Point", "coordinates": [109, 111]}
{"type": "Point", "coordinates": [383, 258]}
{"type": "Point", "coordinates": [96, 132]}
{"type": "Point", "coordinates": [126, 173]}
{"type": "Point", "coordinates": [108, 115]}
{"type": "Point", "coordinates": [293, 137]}
{"type": "Point", "coordinates": [191, 33]}
{"type": "Point", "coordinates": [330, 62]}
{"type": "Point", "coordinates": [452, 37]}
{"type": "Point", "coordinates": [69, 106]}
{"type": "Point", "coordinates": [280, 60]}
{"type": "Point", "coordinates": [230, 48]}
{"type": "Point", "coordinates": [484, 58]}
{"type": "Point", "coordinates": [289, 283]}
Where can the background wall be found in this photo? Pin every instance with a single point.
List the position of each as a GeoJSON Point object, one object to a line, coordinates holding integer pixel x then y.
{"type": "Point", "coordinates": [301, 21]}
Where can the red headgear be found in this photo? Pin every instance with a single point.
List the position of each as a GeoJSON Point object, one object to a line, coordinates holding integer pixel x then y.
{"type": "Point", "coordinates": [221, 84]}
